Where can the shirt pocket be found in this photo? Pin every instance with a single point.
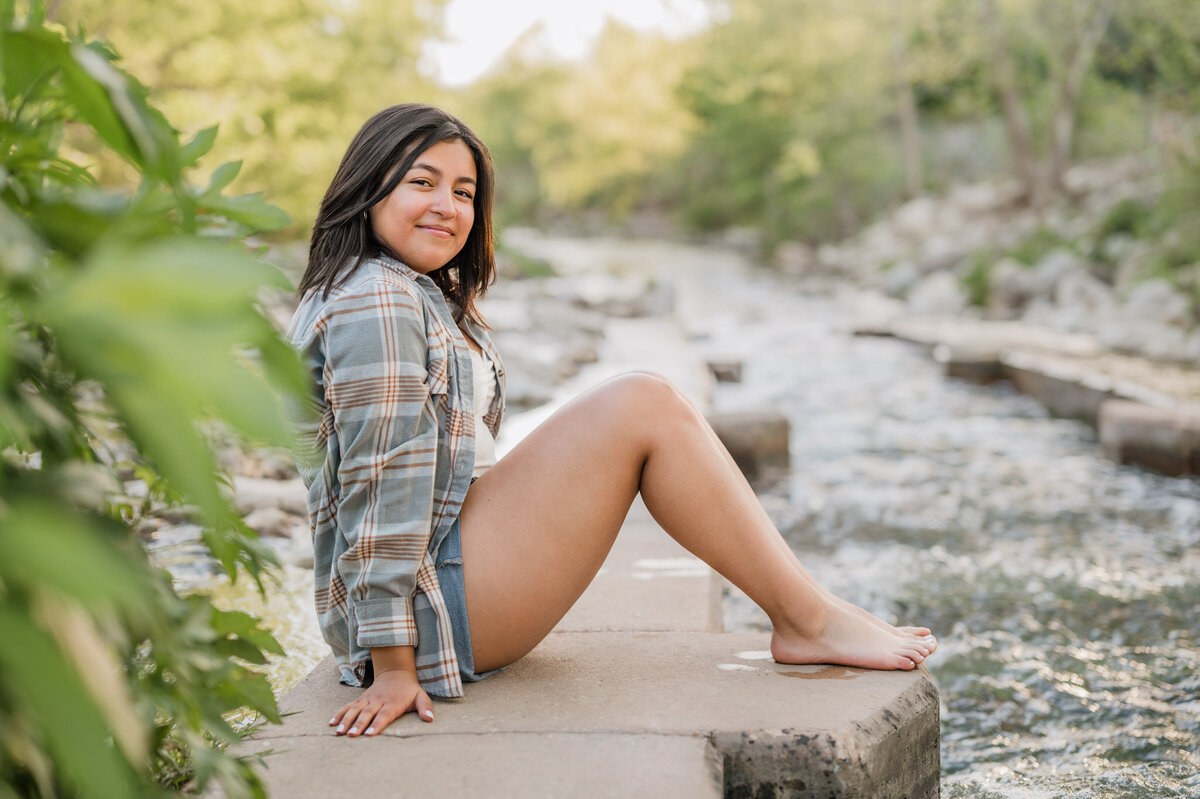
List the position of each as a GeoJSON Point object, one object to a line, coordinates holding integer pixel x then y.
{"type": "Point", "coordinates": [437, 374]}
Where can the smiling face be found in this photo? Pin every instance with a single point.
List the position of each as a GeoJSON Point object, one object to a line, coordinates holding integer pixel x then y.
{"type": "Point", "coordinates": [426, 219]}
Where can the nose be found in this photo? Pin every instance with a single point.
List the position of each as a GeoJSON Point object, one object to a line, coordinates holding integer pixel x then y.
{"type": "Point", "coordinates": [443, 203]}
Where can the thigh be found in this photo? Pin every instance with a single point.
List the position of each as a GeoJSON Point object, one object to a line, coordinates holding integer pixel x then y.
{"type": "Point", "coordinates": [537, 526]}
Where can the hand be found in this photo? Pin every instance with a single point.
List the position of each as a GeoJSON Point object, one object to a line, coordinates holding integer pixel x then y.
{"type": "Point", "coordinates": [393, 694]}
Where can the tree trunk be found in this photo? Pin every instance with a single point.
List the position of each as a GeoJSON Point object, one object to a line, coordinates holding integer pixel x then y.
{"type": "Point", "coordinates": [1016, 120]}
{"type": "Point", "coordinates": [910, 130]}
{"type": "Point", "coordinates": [1068, 95]}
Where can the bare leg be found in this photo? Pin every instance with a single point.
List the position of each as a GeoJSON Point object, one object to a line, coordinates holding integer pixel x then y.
{"type": "Point", "coordinates": [537, 526]}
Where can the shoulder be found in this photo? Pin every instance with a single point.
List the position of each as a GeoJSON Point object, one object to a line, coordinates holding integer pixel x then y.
{"type": "Point", "coordinates": [374, 292]}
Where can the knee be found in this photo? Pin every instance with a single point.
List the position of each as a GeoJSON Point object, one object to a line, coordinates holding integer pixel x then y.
{"type": "Point", "coordinates": [649, 392]}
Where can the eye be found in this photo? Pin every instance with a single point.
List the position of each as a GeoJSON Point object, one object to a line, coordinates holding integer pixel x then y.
{"type": "Point", "coordinates": [422, 181]}
{"type": "Point", "coordinates": [466, 194]}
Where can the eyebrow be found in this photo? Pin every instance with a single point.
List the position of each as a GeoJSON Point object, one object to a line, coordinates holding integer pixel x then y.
{"type": "Point", "coordinates": [438, 172]}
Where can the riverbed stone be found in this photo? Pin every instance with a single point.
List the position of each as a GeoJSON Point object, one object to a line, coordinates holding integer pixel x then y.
{"type": "Point", "coordinates": [757, 440]}
{"type": "Point", "coordinates": [938, 294]}
{"type": "Point", "coordinates": [272, 522]}
{"type": "Point", "coordinates": [257, 493]}
{"type": "Point", "coordinates": [726, 370]}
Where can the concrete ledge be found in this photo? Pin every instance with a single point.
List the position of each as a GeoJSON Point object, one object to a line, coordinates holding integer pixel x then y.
{"type": "Point", "coordinates": [648, 583]}
{"type": "Point", "coordinates": [1062, 396]}
{"type": "Point", "coordinates": [1166, 440]}
{"type": "Point", "coordinates": [779, 730]}
{"type": "Point", "coordinates": [497, 765]}
{"type": "Point", "coordinates": [757, 440]}
{"type": "Point", "coordinates": [1147, 413]}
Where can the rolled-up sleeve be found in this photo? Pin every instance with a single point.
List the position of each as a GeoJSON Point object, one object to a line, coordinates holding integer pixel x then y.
{"type": "Point", "coordinates": [375, 384]}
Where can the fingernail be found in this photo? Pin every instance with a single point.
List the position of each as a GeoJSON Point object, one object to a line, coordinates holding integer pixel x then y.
{"type": "Point", "coordinates": [341, 728]}
{"type": "Point", "coordinates": [332, 722]}
{"type": "Point", "coordinates": [370, 731]}
{"type": "Point", "coordinates": [354, 730]}
{"type": "Point", "coordinates": [427, 714]}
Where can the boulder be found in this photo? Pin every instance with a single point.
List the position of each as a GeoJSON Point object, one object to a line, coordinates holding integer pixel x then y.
{"type": "Point", "coordinates": [1158, 301]}
{"type": "Point", "coordinates": [940, 294]}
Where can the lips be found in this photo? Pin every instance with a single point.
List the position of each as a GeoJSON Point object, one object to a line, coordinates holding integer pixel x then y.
{"type": "Point", "coordinates": [437, 230]}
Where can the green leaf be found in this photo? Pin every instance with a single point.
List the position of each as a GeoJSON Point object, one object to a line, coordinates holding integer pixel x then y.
{"type": "Point", "coordinates": [36, 675]}
{"type": "Point", "coordinates": [222, 176]}
{"type": "Point", "coordinates": [254, 691]}
{"type": "Point", "coordinates": [123, 116]}
{"type": "Point", "coordinates": [236, 647]}
{"type": "Point", "coordinates": [243, 625]}
{"type": "Point", "coordinates": [157, 325]}
{"type": "Point", "coordinates": [43, 544]}
{"type": "Point", "coordinates": [198, 146]}
{"type": "Point", "coordinates": [27, 57]}
{"type": "Point", "coordinates": [249, 209]}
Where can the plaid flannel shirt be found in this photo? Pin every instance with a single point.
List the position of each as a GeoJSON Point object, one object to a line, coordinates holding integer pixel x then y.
{"type": "Point", "coordinates": [387, 460]}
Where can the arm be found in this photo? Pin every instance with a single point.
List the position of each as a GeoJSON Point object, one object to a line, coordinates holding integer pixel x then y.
{"type": "Point", "coordinates": [375, 374]}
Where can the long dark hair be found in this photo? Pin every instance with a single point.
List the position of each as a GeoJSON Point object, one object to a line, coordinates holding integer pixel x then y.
{"type": "Point", "coordinates": [376, 161]}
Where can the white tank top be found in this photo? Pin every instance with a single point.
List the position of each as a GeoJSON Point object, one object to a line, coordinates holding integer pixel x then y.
{"type": "Point", "coordinates": [484, 374]}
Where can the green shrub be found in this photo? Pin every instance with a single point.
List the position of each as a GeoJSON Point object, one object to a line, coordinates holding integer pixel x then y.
{"type": "Point", "coordinates": [1037, 245]}
{"type": "Point", "coordinates": [977, 279]}
{"type": "Point", "coordinates": [1129, 216]}
{"type": "Point", "coordinates": [134, 313]}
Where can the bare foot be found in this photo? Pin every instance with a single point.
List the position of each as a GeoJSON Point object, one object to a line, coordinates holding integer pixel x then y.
{"type": "Point", "coordinates": [928, 642]}
{"type": "Point", "coordinates": [850, 639]}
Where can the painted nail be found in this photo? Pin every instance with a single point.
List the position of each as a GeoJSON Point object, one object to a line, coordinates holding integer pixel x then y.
{"type": "Point", "coordinates": [332, 722]}
{"type": "Point", "coordinates": [354, 730]}
{"type": "Point", "coordinates": [427, 714]}
{"type": "Point", "coordinates": [341, 728]}
{"type": "Point", "coordinates": [370, 730]}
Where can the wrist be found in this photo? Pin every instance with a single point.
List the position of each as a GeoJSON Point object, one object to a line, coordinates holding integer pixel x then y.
{"type": "Point", "coordinates": [386, 659]}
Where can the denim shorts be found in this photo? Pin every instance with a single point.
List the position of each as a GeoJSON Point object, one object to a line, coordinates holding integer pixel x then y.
{"type": "Point", "coordinates": [450, 575]}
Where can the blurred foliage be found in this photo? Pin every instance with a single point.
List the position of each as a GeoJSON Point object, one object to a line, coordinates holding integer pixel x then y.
{"type": "Point", "coordinates": [785, 115]}
{"type": "Point", "coordinates": [789, 116]}
{"type": "Point", "coordinates": [288, 81]}
{"type": "Point", "coordinates": [125, 319]}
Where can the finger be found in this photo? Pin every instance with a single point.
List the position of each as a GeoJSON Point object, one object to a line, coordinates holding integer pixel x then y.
{"type": "Point", "coordinates": [424, 706]}
{"type": "Point", "coordinates": [360, 724]}
{"type": "Point", "coordinates": [386, 715]}
{"type": "Point", "coordinates": [350, 720]}
{"type": "Point", "coordinates": [342, 717]}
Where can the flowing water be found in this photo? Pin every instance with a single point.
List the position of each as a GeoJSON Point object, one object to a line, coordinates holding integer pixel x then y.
{"type": "Point", "coordinates": [1064, 589]}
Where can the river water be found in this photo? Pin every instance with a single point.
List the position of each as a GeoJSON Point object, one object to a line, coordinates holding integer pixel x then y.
{"type": "Point", "coordinates": [1064, 589]}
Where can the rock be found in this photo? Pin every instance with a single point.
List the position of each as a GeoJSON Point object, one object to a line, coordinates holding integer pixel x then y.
{"type": "Point", "coordinates": [757, 440]}
{"type": "Point", "coordinates": [1080, 289]}
{"type": "Point", "coordinates": [1053, 267]}
{"type": "Point", "coordinates": [915, 219]}
{"type": "Point", "coordinates": [900, 278]}
{"type": "Point", "coordinates": [795, 258]}
{"type": "Point", "coordinates": [1166, 440]}
{"type": "Point", "coordinates": [254, 493]}
{"type": "Point", "coordinates": [1157, 300]}
{"type": "Point", "coordinates": [941, 253]}
{"type": "Point", "coordinates": [271, 522]}
{"type": "Point", "coordinates": [1009, 290]}
{"type": "Point", "coordinates": [938, 295]}
{"type": "Point", "coordinates": [294, 549]}
{"type": "Point", "coordinates": [726, 371]}
{"type": "Point", "coordinates": [1144, 337]}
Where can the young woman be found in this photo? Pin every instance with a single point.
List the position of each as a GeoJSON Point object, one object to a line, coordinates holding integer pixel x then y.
{"type": "Point", "coordinates": [415, 521]}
